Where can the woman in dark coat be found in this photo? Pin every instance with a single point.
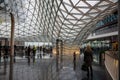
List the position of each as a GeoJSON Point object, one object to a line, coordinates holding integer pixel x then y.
{"type": "Point", "coordinates": [88, 59]}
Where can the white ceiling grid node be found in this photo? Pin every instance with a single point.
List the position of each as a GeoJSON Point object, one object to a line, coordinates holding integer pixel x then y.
{"type": "Point", "coordinates": [65, 19]}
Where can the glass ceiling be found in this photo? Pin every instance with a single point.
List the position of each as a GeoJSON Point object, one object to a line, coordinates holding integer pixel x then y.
{"type": "Point", "coordinates": [48, 20]}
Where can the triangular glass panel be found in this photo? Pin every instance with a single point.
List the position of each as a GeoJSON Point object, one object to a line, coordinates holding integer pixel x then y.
{"type": "Point", "coordinates": [103, 3]}
{"type": "Point", "coordinates": [64, 14]}
{"type": "Point", "coordinates": [84, 10]}
{"type": "Point", "coordinates": [82, 4]}
{"type": "Point", "coordinates": [68, 30]}
{"type": "Point", "coordinates": [78, 16]}
{"type": "Point", "coordinates": [70, 17]}
{"type": "Point", "coordinates": [67, 1]}
{"type": "Point", "coordinates": [75, 1]}
{"type": "Point", "coordinates": [75, 11]}
{"type": "Point", "coordinates": [80, 22]}
{"type": "Point", "coordinates": [93, 11]}
{"type": "Point", "coordinates": [62, 7]}
{"type": "Point", "coordinates": [87, 20]}
{"type": "Point", "coordinates": [67, 22]}
{"type": "Point", "coordinates": [73, 21]}
{"type": "Point", "coordinates": [94, 14]}
{"type": "Point", "coordinates": [92, 2]}
{"type": "Point", "coordinates": [114, 1]}
{"type": "Point", "coordinates": [86, 17]}
{"type": "Point", "coordinates": [69, 8]}
{"type": "Point", "coordinates": [70, 26]}
{"type": "Point", "coordinates": [103, 7]}
{"type": "Point", "coordinates": [61, 19]}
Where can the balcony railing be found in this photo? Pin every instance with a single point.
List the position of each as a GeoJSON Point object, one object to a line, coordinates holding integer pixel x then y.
{"type": "Point", "coordinates": [111, 63]}
{"type": "Point", "coordinates": [113, 28]}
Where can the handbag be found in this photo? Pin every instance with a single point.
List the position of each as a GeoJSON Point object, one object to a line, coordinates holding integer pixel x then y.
{"type": "Point", "coordinates": [84, 67]}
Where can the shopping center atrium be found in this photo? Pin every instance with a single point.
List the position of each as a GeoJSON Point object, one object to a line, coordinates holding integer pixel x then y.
{"type": "Point", "coordinates": [56, 29]}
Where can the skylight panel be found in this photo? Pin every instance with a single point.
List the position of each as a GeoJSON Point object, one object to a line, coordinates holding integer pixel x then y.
{"type": "Point", "coordinates": [80, 22]}
{"type": "Point", "coordinates": [103, 8]}
{"type": "Point", "coordinates": [73, 21]}
{"type": "Point", "coordinates": [81, 4]}
{"type": "Point", "coordinates": [62, 7]}
{"type": "Point", "coordinates": [61, 19]}
{"type": "Point", "coordinates": [103, 3]}
{"type": "Point", "coordinates": [67, 22]}
{"type": "Point", "coordinates": [70, 17]}
{"type": "Point", "coordinates": [67, 18]}
{"type": "Point", "coordinates": [92, 2]}
{"type": "Point", "coordinates": [64, 26]}
{"type": "Point", "coordinates": [77, 16]}
{"type": "Point", "coordinates": [76, 27]}
{"type": "Point", "coordinates": [74, 34]}
{"type": "Point", "coordinates": [67, 1]}
{"type": "Point", "coordinates": [72, 31]}
{"type": "Point", "coordinates": [75, 1]}
{"type": "Point", "coordinates": [70, 26]}
{"type": "Point", "coordinates": [87, 20]}
{"type": "Point", "coordinates": [27, 4]}
{"type": "Point", "coordinates": [86, 17]}
{"type": "Point", "coordinates": [64, 14]}
{"type": "Point", "coordinates": [114, 1]}
{"type": "Point", "coordinates": [68, 8]}
{"type": "Point", "coordinates": [75, 11]}
{"type": "Point", "coordinates": [93, 11]}
{"type": "Point", "coordinates": [84, 10]}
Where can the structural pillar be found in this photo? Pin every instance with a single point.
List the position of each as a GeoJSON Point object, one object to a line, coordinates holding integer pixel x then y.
{"type": "Point", "coordinates": [11, 47]}
{"type": "Point", "coordinates": [57, 55]}
{"type": "Point", "coordinates": [119, 35]}
{"type": "Point", "coordinates": [61, 53]}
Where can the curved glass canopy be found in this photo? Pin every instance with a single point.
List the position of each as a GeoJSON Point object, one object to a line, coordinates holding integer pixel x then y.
{"type": "Point", "coordinates": [48, 20]}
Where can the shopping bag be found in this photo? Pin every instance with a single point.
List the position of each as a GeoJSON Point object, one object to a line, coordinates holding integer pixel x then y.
{"type": "Point", "coordinates": [84, 67]}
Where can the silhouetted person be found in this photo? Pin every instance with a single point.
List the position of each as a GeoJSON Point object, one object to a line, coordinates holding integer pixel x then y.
{"type": "Point", "coordinates": [6, 53]}
{"type": "Point", "coordinates": [34, 53]}
{"type": "Point", "coordinates": [28, 54]}
{"type": "Point", "coordinates": [88, 59]}
{"type": "Point", "coordinates": [15, 53]}
{"type": "Point", "coordinates": [74, 60]}
{"type": "Point", "coordinates": [40, 55]}
{"type": "Point", "coordinates": [0, 54]}
{"type": "Point", "coordinates": [6, 50]}
{"type": "Point", "coordinates": [40, 51]}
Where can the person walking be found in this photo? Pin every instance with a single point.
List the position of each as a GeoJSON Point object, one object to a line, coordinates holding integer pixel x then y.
{"type": "Point", "coordinates": [74, 60]}
{"type": "Point", "coordinates": [28, 54]}
{"type": "Point", "coordinates": [34, 53]}
{"type": "Point", "coordinates": [88, 59]}
{"type": "Point", "coordinates": [6, 50]}
{"type": "Point", "coordinates": [15, 47]}
{"type": "Point", "coordinates": [0, 54]}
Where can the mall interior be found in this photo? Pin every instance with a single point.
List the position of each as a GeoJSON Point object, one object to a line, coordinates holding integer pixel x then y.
{"type": "Point", "coordinates": [48, 39]}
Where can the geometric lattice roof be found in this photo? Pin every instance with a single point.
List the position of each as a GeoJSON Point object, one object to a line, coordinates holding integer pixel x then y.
{"type": "Point", "coordinates": [48, 20]}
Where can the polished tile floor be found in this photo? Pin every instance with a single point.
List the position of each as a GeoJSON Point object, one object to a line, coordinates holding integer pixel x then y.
{"type": "Point", "coordinates": [39, 71]}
